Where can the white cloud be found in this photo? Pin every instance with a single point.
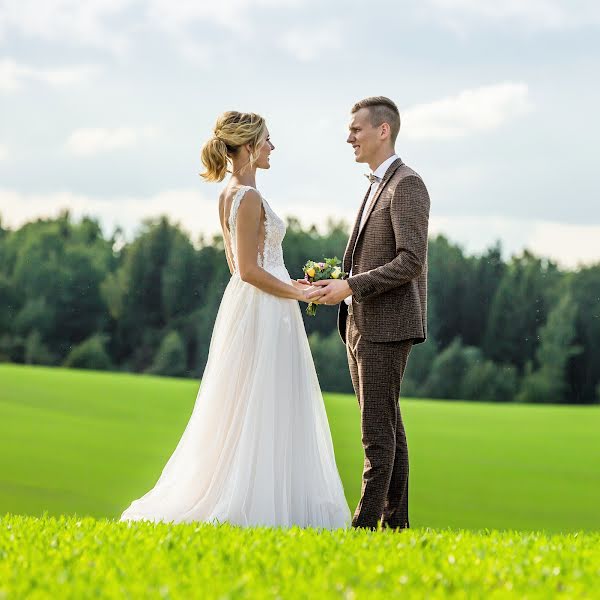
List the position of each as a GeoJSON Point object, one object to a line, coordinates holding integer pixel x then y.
{"type": "Point", "coordinates": [13, 75]}
{"type": "Point", "coordinates": [463, 15]}
{"type": "Point", "coordinates": [113, 25]}
{"type": "Point", "coordinates": [230, 14]}
{"type": "Point", "coordinates": [476, 233]}
{"type": "Point", "coordinates": [89, 23]}
{"type": "Point", "coordinates": [202, 55]}
{"type": "Point", "coordinates": [90, 141]}
{"type": "Point", "coordinates": [3, 152]}
{"type": "Point", "coordinates": [196, 213]}
{"type": "Point", "coordinates": [568, 245]}
{"type": "Point", "coordinates": [471, 111]}
{"type": "Point", "coordinates": [310, 44]}
{"type": "Point", "coordinates": [233, 16]}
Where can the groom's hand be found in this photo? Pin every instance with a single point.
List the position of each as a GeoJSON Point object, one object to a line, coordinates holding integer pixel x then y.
{"type": "Point", "coordinates": [332, 291]}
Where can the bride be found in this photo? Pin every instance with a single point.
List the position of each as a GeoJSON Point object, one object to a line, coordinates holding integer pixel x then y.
{"type": "Point", "coordinates": [257, 449]}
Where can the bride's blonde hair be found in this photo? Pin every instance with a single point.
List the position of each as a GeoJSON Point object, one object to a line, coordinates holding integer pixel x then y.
{"type": "Point", "coordinates": [232, 130]}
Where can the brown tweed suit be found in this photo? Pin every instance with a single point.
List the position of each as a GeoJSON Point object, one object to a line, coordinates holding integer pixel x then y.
{"type": "Point", "coordinates": [388, 315]}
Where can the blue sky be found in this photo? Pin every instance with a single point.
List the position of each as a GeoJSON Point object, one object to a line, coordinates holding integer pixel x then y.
{"type": "Point", "coordinates": [105, 105]}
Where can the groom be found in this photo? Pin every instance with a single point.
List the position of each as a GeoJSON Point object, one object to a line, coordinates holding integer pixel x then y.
{"type": "Point", "coordinates": [383, 306]}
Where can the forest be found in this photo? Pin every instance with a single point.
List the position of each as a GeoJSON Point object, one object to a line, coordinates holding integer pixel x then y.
{"type": "Point", "coordinates": [516, 329]}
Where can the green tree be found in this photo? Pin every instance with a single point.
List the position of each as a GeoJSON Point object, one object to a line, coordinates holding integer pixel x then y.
{"type": "Point", "coordinates": [36, 315]}
{"type": "Point", "coordinates": [483, 277]}
{"type": "Point", "coordinates": [57, 267]}
{"type": "Point", "coordinates": [9, 302]}
{"type": "Point", "coordinates": [90, 354]}
{"type": "Point", "coordinates": [448, 370]}
{"type": "Point", "coordinates": [584, 369]}
{"type": "Point", "coordinates": [79, 308]}
{"type": "Point", "coordinates": [64, 282]}
{"type": "Point", "coordinates": [448, 279]}
{"type": "Point", "coordinates": [36, 352]}
{"type": "Point", "coordinates": [488, 381]}
{"type": "Point", "coordinates": [180, 284]}
{"type": "Point", "coordinates": [170, 358]}
{"type": "Point", "coordinates": [136, 289]}
{"type": "Point", "coordinates": [418, 368]}
{"type": "Point", "coordinates": [331, 363]}
{"type": "Point", "coordinates": [519, 308]}
{"type": "Point", "coordinates": [548, 382]}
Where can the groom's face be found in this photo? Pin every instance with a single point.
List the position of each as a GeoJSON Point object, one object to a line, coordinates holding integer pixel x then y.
{"type": "Point", "coordinates": [364, 138]}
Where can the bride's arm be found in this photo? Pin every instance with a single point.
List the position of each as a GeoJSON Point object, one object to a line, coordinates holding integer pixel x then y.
{"type": "Point", "coordinates": [247, 231]}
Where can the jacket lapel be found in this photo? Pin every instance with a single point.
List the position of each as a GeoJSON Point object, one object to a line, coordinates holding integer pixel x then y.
{"type": "Point", "coordinates": [356, 231]}
{"type": "Point", "coordinates": [391, 170]}
{"type": "Point", "coordinates": [352, 239]}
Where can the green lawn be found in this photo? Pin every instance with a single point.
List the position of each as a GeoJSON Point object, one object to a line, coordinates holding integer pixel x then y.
{"type": "Point", "coordinates": [87, 443]}
{"type": "Point", "coordinates": [69, 558]}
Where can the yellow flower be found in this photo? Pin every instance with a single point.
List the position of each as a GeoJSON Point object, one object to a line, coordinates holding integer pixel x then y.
{"type": "Point", "coordinates": [336, 273]}
{"type": "Point", "coordinates": [310, 272]}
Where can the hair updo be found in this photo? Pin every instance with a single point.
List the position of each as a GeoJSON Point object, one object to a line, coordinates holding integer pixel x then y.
{"type": "Point", "coordinates": [232, 130]}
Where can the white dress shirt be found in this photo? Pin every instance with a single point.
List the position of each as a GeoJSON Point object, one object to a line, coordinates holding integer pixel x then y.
{"type": "Point", "coordinates": [379, 172]}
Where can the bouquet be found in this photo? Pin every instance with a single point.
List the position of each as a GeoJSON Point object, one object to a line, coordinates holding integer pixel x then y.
{"type": "Point", "coordinates": [316, 271]}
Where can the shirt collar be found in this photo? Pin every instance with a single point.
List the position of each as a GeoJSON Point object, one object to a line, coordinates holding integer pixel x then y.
{"type": "Point", "coordinates": [383, 167]}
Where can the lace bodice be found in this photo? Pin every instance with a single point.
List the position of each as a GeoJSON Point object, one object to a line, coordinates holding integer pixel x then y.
{"type": "Point", "coordinates": [275, 228]}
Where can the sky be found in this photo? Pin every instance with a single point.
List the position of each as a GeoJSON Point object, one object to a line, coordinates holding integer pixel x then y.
{"type": "Point", "coordinates": [105, 105]}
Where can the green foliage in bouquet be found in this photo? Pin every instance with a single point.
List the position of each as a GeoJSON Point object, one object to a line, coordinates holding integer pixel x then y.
{"type": "Point", "coordinates": [328, 268]}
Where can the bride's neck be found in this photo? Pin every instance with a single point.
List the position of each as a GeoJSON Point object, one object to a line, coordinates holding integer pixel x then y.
{"type": "Point", "coordinates": [243, 176]}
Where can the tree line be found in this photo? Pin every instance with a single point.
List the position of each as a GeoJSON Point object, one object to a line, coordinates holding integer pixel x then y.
{"type": "Point", "coordinates": [514, 330]}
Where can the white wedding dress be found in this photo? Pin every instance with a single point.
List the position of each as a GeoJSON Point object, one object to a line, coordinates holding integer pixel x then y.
{"type": "Point", "coordinates": [257, 449]}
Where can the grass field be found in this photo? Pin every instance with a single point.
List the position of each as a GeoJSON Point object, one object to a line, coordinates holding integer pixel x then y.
{"type": "Point", "coordinates": [78, 443]}
{"type": "Point", "coordinates": [70, 558]}
{"type": "Point", "coordinates": [87, 443]}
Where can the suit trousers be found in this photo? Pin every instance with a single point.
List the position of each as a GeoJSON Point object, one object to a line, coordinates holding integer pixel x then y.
{"type": "Point", "coordinates": [377, 369]}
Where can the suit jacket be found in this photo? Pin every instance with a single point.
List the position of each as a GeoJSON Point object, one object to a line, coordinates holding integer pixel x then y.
{"type": "Point", "coordinates": [388, 257]}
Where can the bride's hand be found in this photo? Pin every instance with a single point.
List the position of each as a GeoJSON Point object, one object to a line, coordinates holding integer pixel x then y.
{"type": "Point", "coordinates": [306, 290]}
{"type": "Point", "coordinates": [300, 284]}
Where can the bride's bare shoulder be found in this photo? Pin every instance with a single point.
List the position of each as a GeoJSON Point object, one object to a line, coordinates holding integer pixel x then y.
{"type": "Point", "coordinates": [223, 196]}
{"type": "Point", "coordinates": [227, 196]}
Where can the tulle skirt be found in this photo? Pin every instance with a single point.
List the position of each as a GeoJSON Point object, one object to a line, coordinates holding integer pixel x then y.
{"type": "Point", "coordinates": [257, 449]}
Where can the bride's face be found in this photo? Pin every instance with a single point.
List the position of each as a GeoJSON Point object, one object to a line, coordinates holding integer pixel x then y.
{"type": "Point", "coordinates": [264, 153]}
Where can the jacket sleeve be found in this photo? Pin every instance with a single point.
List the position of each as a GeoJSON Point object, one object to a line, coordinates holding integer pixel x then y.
{"type": "Point", "coordinates": [409, 211]}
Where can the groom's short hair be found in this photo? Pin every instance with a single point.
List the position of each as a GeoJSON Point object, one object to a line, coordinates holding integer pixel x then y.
{"type": "Point", "coordinates": [381, 110]}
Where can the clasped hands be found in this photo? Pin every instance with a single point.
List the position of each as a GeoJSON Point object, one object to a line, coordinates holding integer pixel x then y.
{"type": "Point", "coordinates": [329, 291]}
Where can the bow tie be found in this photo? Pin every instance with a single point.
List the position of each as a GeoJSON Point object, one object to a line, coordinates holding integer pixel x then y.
{"type": "Point", "coordinates": [372, 178]}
